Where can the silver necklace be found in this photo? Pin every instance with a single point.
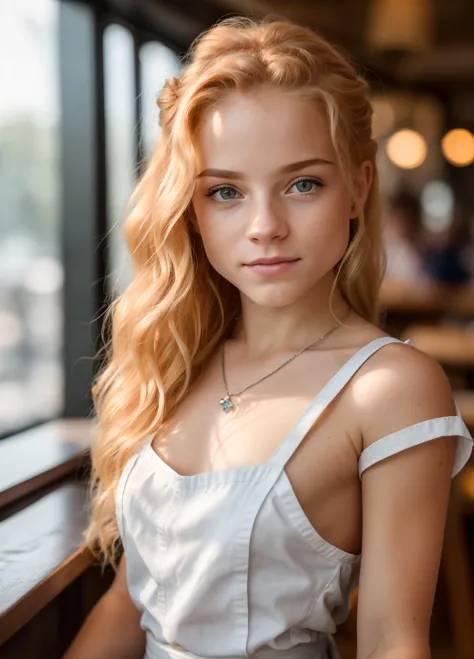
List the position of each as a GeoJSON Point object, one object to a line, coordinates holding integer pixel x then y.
{"type": "Point", "coordinates": [227, 402]}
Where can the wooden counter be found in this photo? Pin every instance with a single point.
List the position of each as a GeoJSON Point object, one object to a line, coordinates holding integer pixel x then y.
{"type": "Point", "coordinates": [450, 346]}
{"type": "Point", "coordinates": [427, 299]}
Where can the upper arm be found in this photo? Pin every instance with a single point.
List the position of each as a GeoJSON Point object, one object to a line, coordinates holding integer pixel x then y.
{"type": "Point", "coordinates": [405, 501]}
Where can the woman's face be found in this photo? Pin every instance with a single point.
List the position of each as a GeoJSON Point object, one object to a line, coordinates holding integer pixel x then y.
{"type": "Point", "coordinates": [268, 187]}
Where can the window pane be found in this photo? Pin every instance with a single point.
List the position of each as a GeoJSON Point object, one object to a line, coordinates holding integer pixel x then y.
{"type": "Point", "coordinates": [31, 271]}
{"type": "Point", "coordinates": [157, 63]}
{"type": "Point", "coordinates": [120, 144]}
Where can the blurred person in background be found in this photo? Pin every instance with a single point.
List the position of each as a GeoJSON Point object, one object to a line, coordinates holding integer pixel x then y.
{"type": "Point", "coordinates": [417, 253]}
{"type": "Point", "coordinates": [403, 237]}
{"type": "Point", "coordinates": [444, 254]}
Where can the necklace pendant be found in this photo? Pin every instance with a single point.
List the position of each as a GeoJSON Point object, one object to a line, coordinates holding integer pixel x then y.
{"type": "Point", "coordinates": [227, 404]}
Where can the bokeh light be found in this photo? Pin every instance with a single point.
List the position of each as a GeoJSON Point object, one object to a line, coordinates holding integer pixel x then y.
{"type": "Point", "coordinates": [407, 149]}
{"type": "Point", "coordinates": [458, 147]}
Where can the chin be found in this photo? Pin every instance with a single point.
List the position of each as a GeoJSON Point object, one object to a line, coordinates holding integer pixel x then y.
{"type": "Point", "coordinates": [275, 297]}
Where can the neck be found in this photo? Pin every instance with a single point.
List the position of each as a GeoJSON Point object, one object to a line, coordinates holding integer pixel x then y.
{"type": "Point", "coordinates": [268, 330]}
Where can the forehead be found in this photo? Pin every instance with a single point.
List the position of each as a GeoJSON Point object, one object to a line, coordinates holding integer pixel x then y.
{"type": "Point", "coordinates": [262, 129]}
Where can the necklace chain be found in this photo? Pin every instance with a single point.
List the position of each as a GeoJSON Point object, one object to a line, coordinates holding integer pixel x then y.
{"type": "Point", "coordinates": [227, 402]}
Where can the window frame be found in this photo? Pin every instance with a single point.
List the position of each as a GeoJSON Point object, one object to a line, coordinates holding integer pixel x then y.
{"type": "Point", "coordinates": [85, 231]}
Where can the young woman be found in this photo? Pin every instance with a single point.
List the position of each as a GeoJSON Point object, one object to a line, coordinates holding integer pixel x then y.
{"type": "Point", "coordinates": [263, 443]}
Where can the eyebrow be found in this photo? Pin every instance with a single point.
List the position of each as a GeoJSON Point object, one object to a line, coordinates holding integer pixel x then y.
{"type": "Point", "coordinates": [287, 169]}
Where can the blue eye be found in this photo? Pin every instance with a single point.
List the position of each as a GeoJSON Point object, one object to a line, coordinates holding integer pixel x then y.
{"type": "Point", "coordinates": [306, 185]}
{"type": "Point", "coordinates": [227, 193]}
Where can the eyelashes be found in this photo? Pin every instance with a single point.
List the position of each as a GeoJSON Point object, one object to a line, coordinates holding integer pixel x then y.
{"type": "Point", "coordinates": [225, 189]}
{"type": "Point", "coordinates": [304, 179]}
{"type": "Point", "coordinates": [219, 188]}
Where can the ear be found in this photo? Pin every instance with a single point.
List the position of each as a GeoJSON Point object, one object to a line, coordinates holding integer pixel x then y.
{"type": "Point", "coordinates": [364, 177]}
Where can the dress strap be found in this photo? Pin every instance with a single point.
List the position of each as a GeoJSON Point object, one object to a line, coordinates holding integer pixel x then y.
{"type": "Point", "coordinates": [419, 433]}
{"type": "Point", "coordinates": [323, 399]}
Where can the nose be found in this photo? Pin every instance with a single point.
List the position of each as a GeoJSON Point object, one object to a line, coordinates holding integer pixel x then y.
{"type": "Point", "coordinates": [268, 222]}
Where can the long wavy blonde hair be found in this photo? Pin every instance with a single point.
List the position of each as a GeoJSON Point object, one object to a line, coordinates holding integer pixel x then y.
{"type": "Point", "coordinates": [176, 310]}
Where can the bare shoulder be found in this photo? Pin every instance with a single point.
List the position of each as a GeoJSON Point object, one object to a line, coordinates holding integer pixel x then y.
{"type": "Point", "coordinates": [398, 387]}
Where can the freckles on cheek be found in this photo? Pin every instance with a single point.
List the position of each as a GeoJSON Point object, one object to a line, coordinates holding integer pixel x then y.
{"type": "Point", "coordinates": [331, 227]}
{"type": "Point", "coordinates": [328, 239]}
{"type": "Point", "coordinates": [217, 235]}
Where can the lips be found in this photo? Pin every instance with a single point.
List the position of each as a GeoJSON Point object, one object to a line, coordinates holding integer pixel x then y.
{"type": "Point", "coordinates": [272, 261]}
{"type": "Point", "coordinates": [271, 267]}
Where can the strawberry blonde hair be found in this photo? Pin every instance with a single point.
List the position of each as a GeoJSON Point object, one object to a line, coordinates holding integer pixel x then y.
{"type": "Point", "coordinates": [176, 310]}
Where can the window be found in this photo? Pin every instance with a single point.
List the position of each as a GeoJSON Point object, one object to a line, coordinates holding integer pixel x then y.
{"type": "Point", "coordinates": [157, 63]}
{"type": "Point", "coordinates": [120, 123]}
{"type": "Point", "coordinates": [31, 270]}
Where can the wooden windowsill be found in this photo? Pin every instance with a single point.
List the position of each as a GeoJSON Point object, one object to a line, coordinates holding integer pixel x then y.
{"type": "Point", "coordinates": [41, 553]}
{"type": "Point", "coordinates": [35, 458]}
{"type": "Point", "coordinates": [43, 514]}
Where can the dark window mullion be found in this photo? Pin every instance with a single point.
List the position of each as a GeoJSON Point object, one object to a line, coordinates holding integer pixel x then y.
{"type": "Point", "coordinates": [83, 184]}
{"type": "Point", "coordinates": [101, 156]}
{"type": "Point", "coordinates": [137, 41]}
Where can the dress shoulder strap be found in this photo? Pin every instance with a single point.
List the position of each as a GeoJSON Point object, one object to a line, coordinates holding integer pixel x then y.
{"type": "Point", "coordinates": [323, 399]}
{"type": "Point", "coordinates": [419, 433]}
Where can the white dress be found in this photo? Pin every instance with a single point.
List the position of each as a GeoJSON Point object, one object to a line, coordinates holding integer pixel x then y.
{"type": "Point", "coordinates": [226, 564]}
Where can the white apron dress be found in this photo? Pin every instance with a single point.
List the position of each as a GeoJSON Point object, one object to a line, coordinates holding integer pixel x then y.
{"type": "Point", "coordinates": [226, 565]}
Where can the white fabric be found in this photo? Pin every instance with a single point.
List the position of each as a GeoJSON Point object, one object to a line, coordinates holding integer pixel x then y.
{"type": "Point", "coordinates": [157, 650]}
{"type": "Point", "coordinates": [447, 426]}
{"type": "Point", "coordinates": [227, 565]}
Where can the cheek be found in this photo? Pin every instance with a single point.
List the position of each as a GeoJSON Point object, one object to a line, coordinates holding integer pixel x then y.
{"type": "Point", "coordinates": [326, 230]}
{"type": "Point", "coordinates": [216, 237]}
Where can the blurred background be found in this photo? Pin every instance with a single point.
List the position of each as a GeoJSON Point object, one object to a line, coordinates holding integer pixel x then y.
{"type": "Point", "coordinates": [78, 119]}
